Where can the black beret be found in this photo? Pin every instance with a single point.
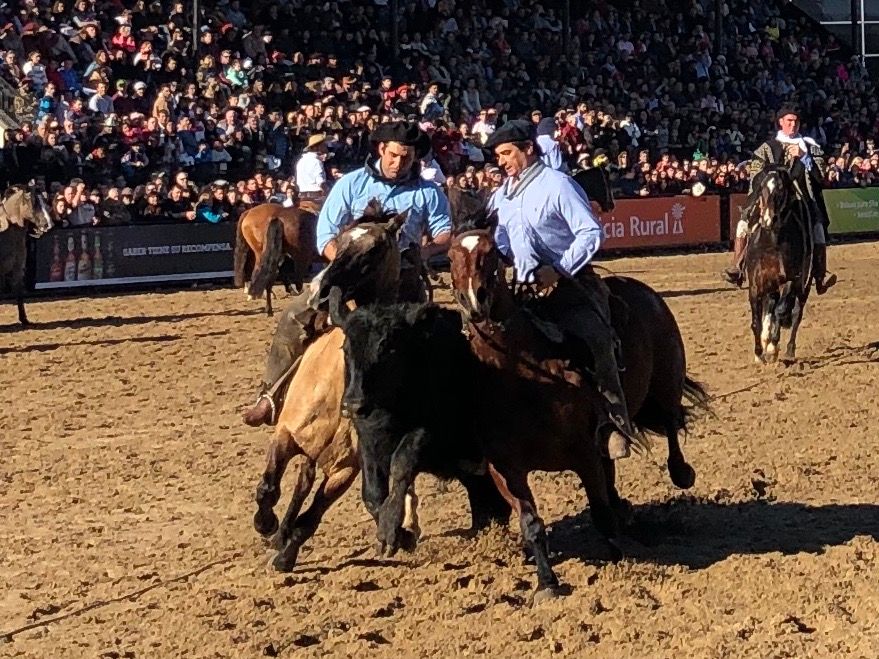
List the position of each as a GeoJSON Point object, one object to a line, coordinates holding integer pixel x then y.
{"type": "Point", "coordinates": [402, 132]}
{"type": "Point", "coordinates": [786, 110]}
{"type": "Point", "coordinates": [517, 130]}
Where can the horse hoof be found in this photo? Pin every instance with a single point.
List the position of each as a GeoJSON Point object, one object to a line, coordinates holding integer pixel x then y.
{"type": "Point", "coordinates": [615, 552]}
{"type": "Point", "coordinates": [546, 594]}
{"type": "Point", "coordinates": [683, 476]}
{"type": "Point", "coordinates": [285, 560]}
{"type": "Point", "coordinates": [408, 540]}
{"type": "Point", "coordinates": [277, 542]}
{"type": "Point", "coordinates": [758, 360]}
{"type": "Point", "coordinates": [265, 522]}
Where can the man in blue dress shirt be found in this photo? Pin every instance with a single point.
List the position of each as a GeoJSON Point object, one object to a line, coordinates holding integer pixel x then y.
{"type": "Point", "coordinates": [547, 227]}
{"type": "Point", "coordinates": [393, 179]}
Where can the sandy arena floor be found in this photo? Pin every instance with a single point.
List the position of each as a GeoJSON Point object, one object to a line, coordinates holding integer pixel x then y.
{"type": "Point", "coordinates": [127, 481]}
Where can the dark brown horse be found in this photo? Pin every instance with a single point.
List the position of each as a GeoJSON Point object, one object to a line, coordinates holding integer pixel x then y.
{"type": "Point", "coordinates": [544, 417]}
{"type": "Point", "coordinates": [273, 240]}
{"type": "Point", "coordinates": [777, 263]}
{"type": "Point", "coordinates": [21, 211]}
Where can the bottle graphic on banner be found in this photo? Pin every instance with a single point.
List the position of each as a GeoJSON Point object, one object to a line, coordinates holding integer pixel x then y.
{"type": "Point", "coordinates": [110, 263]}
{"type": "Point", "coordinates": [56, 270]}
{"type": "Point", "coordinates": [84, 265]}
{"type": "Point", "coordinates": [98, 261]}
{"type": "Point", "coordinates": [70, 262]}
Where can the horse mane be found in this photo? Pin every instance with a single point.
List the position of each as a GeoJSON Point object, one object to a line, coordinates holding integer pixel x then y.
{"type": "Point", "coordinates": [477, 219]}
{"type": "Point", "coordinates": [374, 212]}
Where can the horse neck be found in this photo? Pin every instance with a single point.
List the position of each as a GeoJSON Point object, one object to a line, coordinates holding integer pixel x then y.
{"type": "Point", "coordinates": [503, 305]}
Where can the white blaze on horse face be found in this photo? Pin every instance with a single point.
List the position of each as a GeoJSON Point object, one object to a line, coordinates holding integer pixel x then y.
{"type": "Point", "coordinates": [357, 233]}
{"type": "Point", "coordinates": [470, 243]}
{"type": "Point", "coordinates": [770, 184]}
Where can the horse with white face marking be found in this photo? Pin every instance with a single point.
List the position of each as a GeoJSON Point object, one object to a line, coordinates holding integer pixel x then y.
{"type": "Point", "coordinates": [778, 262]}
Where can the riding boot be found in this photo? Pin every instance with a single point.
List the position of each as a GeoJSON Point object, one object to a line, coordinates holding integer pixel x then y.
{"type": "Point", "coordinates": [615, 436]}
{"type": "Point", "coordinates": [735, 274]}
{"type": "Point", "coordinates": [288, 344]}
{"type": "Point", "coordinates": [819, 263]}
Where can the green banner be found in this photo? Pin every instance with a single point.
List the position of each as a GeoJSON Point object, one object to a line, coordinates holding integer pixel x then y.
{"type": "Point", "coordinates": [853, 210]}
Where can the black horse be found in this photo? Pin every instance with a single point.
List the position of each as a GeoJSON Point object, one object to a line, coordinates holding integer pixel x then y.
{"type": "Point", "coordinates": [595, 183]}
{"type": "Point", "coordinates": [778, 262]}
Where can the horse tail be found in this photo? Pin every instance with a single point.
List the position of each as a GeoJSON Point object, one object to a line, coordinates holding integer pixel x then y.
{"type": "Point", "coordinates": [694, 393]}
{"type": "Point", "coordinates": [241, 255]}
{"type": "Point", "coordinates": [273, 252]}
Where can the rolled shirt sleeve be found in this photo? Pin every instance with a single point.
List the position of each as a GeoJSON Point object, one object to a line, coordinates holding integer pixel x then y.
{"type": "Point", "coordinates": [335, 214]}
{"type": "Point", "coordinates": [439, 217]}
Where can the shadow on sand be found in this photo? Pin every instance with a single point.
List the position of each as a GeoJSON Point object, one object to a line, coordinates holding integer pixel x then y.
{"type": "Point", "coordinates": [119, 321]}
{"type": "Point", "coordinates": [698, 534]}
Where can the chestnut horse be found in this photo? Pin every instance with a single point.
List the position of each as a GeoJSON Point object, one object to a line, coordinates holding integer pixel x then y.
{"type": "Point", "coordinates": [267, 234]}
{"type": "Point", "coordinates": [778, 263]}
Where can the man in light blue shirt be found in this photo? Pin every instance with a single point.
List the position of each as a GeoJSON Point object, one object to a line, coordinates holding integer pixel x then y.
{"type": "Point", "coordinates": [546, 226]}
{"type": "Point", "coordinates": [393, 179]}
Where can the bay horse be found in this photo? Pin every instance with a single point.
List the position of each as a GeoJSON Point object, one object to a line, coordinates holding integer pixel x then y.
{"type": "Point", "coordinates": [778, 262]}
{"type": "Point", "coordinates": [21, 211]}
{"type": "Point", "coordinates": [271, 241]}
{"type": "Point", "coordinates": [311, 425]}
{"type": "Point", "coordinates": [558, 429]}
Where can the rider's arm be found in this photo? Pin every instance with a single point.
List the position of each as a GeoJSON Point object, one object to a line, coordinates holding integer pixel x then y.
{"type": "Point", "coordinates": [439, 222]}
{"type": "Point", "coordinates": [574, 207]}
{"type": "Point", "coordinates": [334, 216]}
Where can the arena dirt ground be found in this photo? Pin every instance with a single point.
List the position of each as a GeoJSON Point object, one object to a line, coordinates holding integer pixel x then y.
{"type": "Point", "coordinates": [128, 479]}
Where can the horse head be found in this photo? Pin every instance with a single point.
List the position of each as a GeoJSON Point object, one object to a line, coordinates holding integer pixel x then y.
{"type": "Point", "coordinates": [23, 207]}
{"type": "Point", "coordinates": [774, 191]}
{"type": "Point", "coordinates": [366, 268]}
{"type": "Point", "coordinates": [477, 268]}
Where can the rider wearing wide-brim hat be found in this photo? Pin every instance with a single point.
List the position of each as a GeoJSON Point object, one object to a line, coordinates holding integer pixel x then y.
{"type": "Point", "coordinates": [392, 178]}
{"type": "Point", "coordinates": [546, 226]}
{"type": "Point", "coordinates": [805, 160]}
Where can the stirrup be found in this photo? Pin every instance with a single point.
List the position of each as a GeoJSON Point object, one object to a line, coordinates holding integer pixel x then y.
{"type": "Point", "coordinates": [273, 418]}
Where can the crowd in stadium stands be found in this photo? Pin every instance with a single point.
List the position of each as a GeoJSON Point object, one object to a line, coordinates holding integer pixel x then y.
{"type": "Point", "coordinates": [124, 120]}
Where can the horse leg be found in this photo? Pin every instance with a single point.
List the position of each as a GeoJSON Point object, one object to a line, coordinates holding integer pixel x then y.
{"type": "Point", "coordinates": [22, 316]}
{"type": "Point", "coordinates": [304, 479]}
{"type": "Point", "coordinates": [756, 319]}
{"type": "Point", "coordinates": [594, 477]}
{"type": "Point", "coordinates": [682, 474]}
{"type": "Point", "coordinates": [487, 506]}
{"type": "Point", "coordinates": [269, 311]}
{"type": "Point", "coordinates": [513, 486]}
{"type": "Point", "coordinates": [621, 506]}
{"type": "Point", "coordinates": [796, 316]}
{"type": "Point", "coordinates": [281, 451]}
{"type": "Point", "coordinates": [333, 486]}
{"type": "Point", "coordinates": [770, 329]}
{"type": "Point", "coordinates": [404, 463]}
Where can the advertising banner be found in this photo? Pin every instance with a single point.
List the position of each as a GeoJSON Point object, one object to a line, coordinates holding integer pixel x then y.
{"type": "Point", "coordinates": [853, 210]}
{"type": "Point", "coordinates": [662, 222]}
{"type": "Point", "coordinates": [102, 256]}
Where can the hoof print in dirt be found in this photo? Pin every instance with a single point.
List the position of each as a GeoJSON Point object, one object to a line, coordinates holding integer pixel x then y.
{"type": "Point", "coordinates": [374, 637]}
{"type": "Point", "coordinates": [305, 641]}
{"type": "Point", "coordinates": [366, 587]}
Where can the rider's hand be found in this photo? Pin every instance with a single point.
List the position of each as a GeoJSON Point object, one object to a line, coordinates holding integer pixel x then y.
{"type": "Point", "coordinates": [545, 277]}
{"type": "Point", "coordinates": [794, 151]}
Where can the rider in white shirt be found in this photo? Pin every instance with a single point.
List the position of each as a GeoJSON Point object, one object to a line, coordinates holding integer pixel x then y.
{"type": "Point", "coordinates": [311, 178]}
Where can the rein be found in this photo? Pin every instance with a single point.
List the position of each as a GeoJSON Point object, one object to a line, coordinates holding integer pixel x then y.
{"type": "Point", "coordinates": [535, 366]}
